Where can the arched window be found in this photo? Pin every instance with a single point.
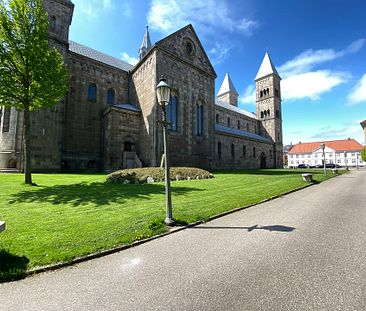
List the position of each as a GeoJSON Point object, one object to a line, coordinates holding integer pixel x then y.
{"type": "Point", "coordinates": [111, 97]}
{"type": "Point", "coordinates": [228, 122]}
{"type": "Point", "coordinates": [53, 23]}
{"type": "Point", "coordinates": [261, 93]}
{"type": "Point", "coordinates": [232, 151]}
{"type": "Point", "coordinates": [238, 124]}
{"type": "Point", "coordinates": [254, 152]}
{"type": "Point", "coordinates": [244, 151]}
{"type": "Point", "coordinates": [248, 127]}
{"type": "Point", "coordinates": [92, 92]}
{"type": "Point", "coordinates": [268, 112]}
{"type": "Point", "coordinates": [219, 150]}
{"type": "Point", "coordinates": [172, 113]}
{"type": "Point", "coordinates": [267, 91]}
{"type": "Point", "coordinates": [6, 120]}
{"type": "Point", "coordinates": [199, 119]}
{"type": "Point", "coordinates": [262, 115]}
{"type": "Point", "coordinates": [264, 92]}
{"type": "Point", "coordinates": [217, 118]}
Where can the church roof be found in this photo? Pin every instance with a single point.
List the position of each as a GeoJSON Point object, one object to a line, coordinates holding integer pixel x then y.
{"type": "Point", "coordinates": [266, 68]}
{"type": "Point", "coordinates": [223, 104]}
{"type": "Point", "coordinates": [337, 145]}
{"type": "Point", "coordinates": [146, 42]}
{"type": "Point", "coordinates": [227, 86]}
{"type": "Point", "coordinates": [99, 56]}
{"type": "Point", "coordinates": [241, 133]}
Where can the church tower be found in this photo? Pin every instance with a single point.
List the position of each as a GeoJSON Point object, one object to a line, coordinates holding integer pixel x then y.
{"type": "Point", "coordinates": [268, 102]}
{"type": "Point", "coordinates": [227, 92]}
{"type": "Point", "coordinates": [60, 14]}
{"type": "Point", "coordinates": [146, 44]}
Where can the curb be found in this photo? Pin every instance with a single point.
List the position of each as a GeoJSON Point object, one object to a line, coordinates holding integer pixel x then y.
{"type": "Point", "coordinates": [171, 231]}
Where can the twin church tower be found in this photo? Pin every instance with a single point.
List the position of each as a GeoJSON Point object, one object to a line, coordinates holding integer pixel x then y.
{"type": "Point", "coordinates": [109, 117]}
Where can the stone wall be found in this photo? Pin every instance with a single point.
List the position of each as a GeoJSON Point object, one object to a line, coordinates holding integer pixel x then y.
{"type": "Point", "coordinates": [121, 132]}
{"type": "Point", "coordinates": [142, 90]}
{"type": "Point", "coordinates": [192, 86]}
{"type": "Point", "coordinates": [82, 141]}
{"type": "Point", "coordinates": [245, 153]}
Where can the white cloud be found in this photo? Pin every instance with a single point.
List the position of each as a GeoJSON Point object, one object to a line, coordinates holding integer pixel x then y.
{"type": "Point", "coordinates": [126, 10]}
{"type": "Point", "coordinates": [92, 8]}
{"type": "Point", "coordinates": [358, 93]}
{"type": "Point", "coordinates": [249, 95]}
{"type": "Point", "coordinates": [311, 84]}
{"type": "Point", "coordinates": [219, 53]}
{"type": "Point", "coordinates": [129, 59]}
{"type": "Point", "coordinates": [206, 15]}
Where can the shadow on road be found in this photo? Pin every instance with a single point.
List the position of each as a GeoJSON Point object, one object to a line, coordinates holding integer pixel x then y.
{"type": "Point", "coordinates": [278, 228]}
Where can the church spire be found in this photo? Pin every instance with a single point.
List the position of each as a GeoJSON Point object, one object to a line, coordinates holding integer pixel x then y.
{"type": "Point", "coordinates": [146, 44]}
{"type": "Point", "coordinates": [266, 68]}
{"type": "Point", "coordinates": [227, 92]}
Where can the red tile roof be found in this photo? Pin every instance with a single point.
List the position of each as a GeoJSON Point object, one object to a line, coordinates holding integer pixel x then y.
{"type": "Point", "coordinates": [337, 145]}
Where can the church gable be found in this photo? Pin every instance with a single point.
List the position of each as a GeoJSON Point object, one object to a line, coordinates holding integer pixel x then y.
{"type": "Point", "coordinates": [185, 44]}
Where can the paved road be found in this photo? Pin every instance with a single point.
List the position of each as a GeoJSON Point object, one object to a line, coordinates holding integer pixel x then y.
{"type": "Point", "coordinates": [304, 251]}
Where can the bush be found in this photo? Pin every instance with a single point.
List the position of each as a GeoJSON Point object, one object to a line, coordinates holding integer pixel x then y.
{"type": "Point", "coordinates": [141, 175]}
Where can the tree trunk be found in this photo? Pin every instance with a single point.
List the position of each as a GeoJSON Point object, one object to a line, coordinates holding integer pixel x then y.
{"type": "Point", "coordinates": [27, 151]}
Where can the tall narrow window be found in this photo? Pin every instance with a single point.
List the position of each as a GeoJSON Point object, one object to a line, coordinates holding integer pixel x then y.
{"type": "Point", "coordinates": [233, 151]}
{"type": "Point", "coordinates": [199, 120]}
{"type": "Point", "coordinates": [248, 127]}
{"type": "Point", "coordinates": [111, 97]}
{"type": "Point", "coordinates": [217, 118]}
{"type": "Point", "coordinates": [172, 113]}
{"type": "Point", "coordinates": [254, 155]}
{"type": "Point", "coordinates": [238, 124]}
{"type": "Point", "coordinates": [6, 120]}
{"type": "Point", "coordinates": [53, 23]}
{"type": "Point", "coordinates": [92, 92]}
{"type": "Point", "coordinates": [244, 151]}
{"type": "Point", "coordinates": [228, 122]}
{"type": "Point", "coordinates": [219, 150]}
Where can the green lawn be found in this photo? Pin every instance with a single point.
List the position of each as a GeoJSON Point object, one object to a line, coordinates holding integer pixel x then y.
{"type": "Point", "coordinates": [71, 215]}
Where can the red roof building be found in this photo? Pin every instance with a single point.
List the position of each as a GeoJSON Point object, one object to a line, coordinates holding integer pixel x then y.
{"type": "Point", "coordinates": [345, 152]}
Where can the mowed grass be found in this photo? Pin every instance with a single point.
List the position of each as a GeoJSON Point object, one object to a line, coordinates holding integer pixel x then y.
{"type": "Point", "coordinates": [71, 215]}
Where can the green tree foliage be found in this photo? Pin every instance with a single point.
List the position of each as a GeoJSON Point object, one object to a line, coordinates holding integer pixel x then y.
{"type": "Point", "coordinates": [363, 154]}
{"type": "Point", "coordinates": [32, 74]}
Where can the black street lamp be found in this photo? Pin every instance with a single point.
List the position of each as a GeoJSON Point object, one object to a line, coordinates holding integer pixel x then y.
{"type": "Point", "coordinates": [163, 96]}
{"type": "Point", "coordinates": [322, 145]}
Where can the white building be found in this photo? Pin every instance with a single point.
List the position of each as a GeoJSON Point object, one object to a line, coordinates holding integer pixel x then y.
{"type": "Point", "coordinates": [345, 152]}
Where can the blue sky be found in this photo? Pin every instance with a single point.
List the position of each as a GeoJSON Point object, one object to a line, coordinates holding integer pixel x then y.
{"type": "Point", "coordinates": [318, 47]}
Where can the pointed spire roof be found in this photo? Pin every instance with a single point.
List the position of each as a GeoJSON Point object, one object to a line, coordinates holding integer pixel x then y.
{"type": "Point", "coordinates": [267, 68]}
{"type": "Point", "coordinates": [146, 42]}
{"type": "Point", "coordinates": [227, 86]}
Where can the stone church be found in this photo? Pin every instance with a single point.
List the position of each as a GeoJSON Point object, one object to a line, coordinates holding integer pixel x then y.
{"type": "Point", "coordinates": [109, 117]}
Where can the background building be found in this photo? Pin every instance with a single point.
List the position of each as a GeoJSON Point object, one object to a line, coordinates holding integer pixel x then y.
{"type": "Point", "coordinates": [109, 118]}
{"type": "Point", "coordinates": [345, 152]}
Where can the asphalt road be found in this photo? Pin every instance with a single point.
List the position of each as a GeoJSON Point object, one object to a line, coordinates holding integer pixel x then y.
{"type": "Point", "coordinates": [303, 251]}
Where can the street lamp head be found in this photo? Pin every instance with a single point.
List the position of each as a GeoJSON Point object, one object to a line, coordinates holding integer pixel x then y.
{"type": "Point", "coordinates": [163, 92]}
{"type": "Point", "coordinates": [322, 145]}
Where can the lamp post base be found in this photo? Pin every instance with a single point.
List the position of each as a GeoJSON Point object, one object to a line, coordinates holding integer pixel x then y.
{"type": "Point", "coordinates": [169, 222]}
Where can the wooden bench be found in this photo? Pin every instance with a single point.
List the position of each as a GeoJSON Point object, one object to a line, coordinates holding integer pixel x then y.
{"type": "Point", "coordinates": [2, 226]}
{"type": "Point", "coordinates": [308, 177]}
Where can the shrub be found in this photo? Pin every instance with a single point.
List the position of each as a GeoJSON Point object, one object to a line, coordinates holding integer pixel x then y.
{"type": "Point", "coordinates": [140, 175]}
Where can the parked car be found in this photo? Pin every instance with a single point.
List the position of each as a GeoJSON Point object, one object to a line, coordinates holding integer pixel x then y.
{"type": "Point", "coordinates": [303, 166]}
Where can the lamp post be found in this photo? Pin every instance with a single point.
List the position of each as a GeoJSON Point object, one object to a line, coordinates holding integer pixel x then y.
{"type": "Point", "coordinates": [322, 145]}
{"type": "Point", "coordinates": [345, 160]}
{"type": "Point", "coordinates": [163, 96]}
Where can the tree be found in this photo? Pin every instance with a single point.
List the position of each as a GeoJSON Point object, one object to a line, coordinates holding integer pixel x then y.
{"type": "Point", "coordinates": [363, 154]}
{"type": "Point", "coordinates": [32, 74]}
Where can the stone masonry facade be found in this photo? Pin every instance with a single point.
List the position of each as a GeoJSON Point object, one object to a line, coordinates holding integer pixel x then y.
{"type": "Point", "coordinates": [109, 119]}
